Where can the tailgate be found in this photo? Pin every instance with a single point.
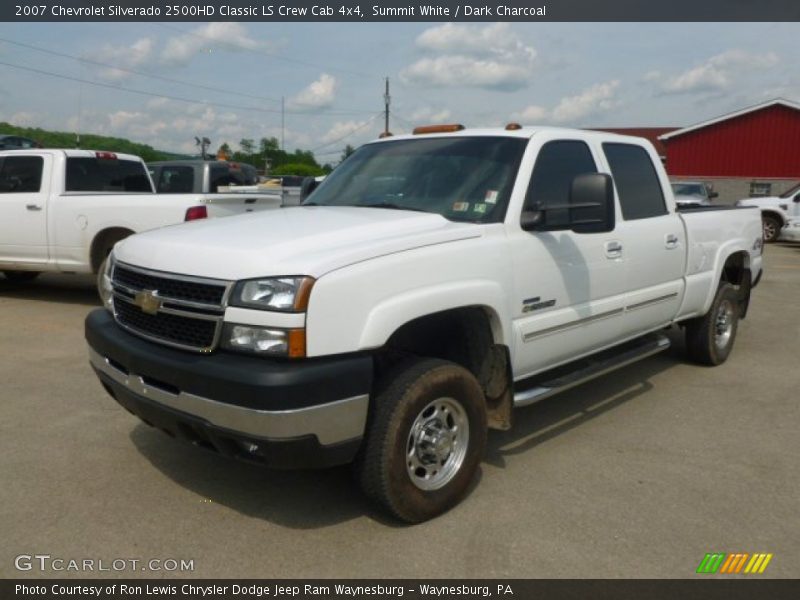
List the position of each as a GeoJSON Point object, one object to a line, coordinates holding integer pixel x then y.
{"type": "Point", "coordinates": [224, 205]}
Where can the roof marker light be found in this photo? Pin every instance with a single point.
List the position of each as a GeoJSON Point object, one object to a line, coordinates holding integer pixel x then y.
{"type": "Point", "coordinates": [438, 129]}
{"type": "Point", "coordinates": [513, 126]}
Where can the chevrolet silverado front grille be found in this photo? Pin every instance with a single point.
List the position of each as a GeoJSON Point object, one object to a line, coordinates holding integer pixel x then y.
{"type": "Point", "coordinates": [175, 310]}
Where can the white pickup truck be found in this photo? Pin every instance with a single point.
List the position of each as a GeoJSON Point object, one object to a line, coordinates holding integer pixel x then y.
{"type": "Point", "coordinates": [776, 211]}
{"type": "Point", "coordinates": [431, 285]}
{"type": "Point", "coordinates": [63, 210]}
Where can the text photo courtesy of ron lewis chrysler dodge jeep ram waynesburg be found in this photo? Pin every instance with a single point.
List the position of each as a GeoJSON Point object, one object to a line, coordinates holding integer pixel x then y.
{"type": "Point", "coordinates": [431, 285]}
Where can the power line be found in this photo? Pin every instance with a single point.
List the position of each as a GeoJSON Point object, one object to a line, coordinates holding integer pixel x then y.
{"type": "Point", "coordinates": [347, 135]}
{"type": "Point", "coordinates": [136, 72]}
{"type": "Point", "coordinates": [177, 98]}
{"type": "Point", "coordinates": [264, 52]}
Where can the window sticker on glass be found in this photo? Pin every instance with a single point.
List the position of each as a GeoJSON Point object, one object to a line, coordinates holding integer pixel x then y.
{"type": "Point", "coordinates": [479, 208]}
{"type": "Point", "coordinates": [460, 206]}
{"type": "Point", "coordinates": [491, 197]}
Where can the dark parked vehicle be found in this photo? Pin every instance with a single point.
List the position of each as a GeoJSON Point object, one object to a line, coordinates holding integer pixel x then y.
{"type": "Point", "coordinates": [199, 176]}
{"type": "Point", "coordinates": [15, 142]}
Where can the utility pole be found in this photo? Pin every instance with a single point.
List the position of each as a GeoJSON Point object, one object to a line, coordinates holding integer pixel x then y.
{"type": "Point", "coordinates": [283, 122]}
{"type": "Point", "coordinates": [387, 99]}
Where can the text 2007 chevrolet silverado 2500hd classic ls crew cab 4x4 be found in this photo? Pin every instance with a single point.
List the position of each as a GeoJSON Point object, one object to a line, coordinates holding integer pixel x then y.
{"type": "Point", "coordinates": [63, 210]}
{"type": "Point", "coordinates": [430, 285]}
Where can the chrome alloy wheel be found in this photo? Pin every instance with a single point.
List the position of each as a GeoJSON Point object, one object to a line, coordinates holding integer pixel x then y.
{"type": "Point", "coordinates": [723, 324]}
{"type": "Point", "coordinates": [437, 444]}
{"type": "Point", "coordinates": [770, 229]}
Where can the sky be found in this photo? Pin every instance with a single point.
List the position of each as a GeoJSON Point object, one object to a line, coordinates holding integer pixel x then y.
{"type": "Point", "coordinates": [165, 83]}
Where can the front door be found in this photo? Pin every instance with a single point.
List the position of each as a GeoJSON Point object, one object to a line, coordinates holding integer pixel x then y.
{"type": "Point", "coordinates": [569, 291]}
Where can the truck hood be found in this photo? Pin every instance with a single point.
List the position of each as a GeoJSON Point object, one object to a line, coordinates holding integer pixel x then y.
{"type": "Point", "coordinates": [301, 240]}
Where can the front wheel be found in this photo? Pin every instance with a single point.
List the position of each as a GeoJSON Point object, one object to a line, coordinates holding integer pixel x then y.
{"type": "Point", "coordinates": [424, 441]}
{"type": "Point", "coordinates": [771, 227]}
{"type": "Point", "coordinates": [709, 339]}
{"type": "Point", "coordinates": [21, 276]}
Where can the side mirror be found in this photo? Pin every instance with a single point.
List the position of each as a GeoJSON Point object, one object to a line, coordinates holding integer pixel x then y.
{"type": "Point", "coordinates": [712, 195]}
{"type": "Point", "coordinates": [590, 208]}
{"type": "Point", "coordinates": [591, 203]}
{"type": "Point", "coordinates": [797, 198]}
{"type": "Point", "coordinates": [308, 185]}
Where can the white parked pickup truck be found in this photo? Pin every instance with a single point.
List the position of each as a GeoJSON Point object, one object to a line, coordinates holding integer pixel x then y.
{"type": "Point", "coordinates": [431, 285]}
{"type": "Point", "coordinates": [63, 210]}
{"type": "Point", "coordinates": [775, 211]}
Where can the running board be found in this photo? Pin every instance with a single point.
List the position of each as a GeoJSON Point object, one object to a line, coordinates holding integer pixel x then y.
{"type": "Point", "coordinates": [568, 376]}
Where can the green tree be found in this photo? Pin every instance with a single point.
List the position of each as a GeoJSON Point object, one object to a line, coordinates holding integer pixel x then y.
{"type": "Point", "coordinates": [300, 169]}
{"type": "Point", "coordinates": [247, 145]}
{"type": "Point", "coordinates": [348, 150]}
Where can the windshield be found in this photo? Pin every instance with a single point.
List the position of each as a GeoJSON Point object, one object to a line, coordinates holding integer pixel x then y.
{"type": "Point", "coordinates": [460, 178]}
{"type": "Point", "coordinates": [791, 191]}
{"type": "Point", "coordinates": [689, 189]}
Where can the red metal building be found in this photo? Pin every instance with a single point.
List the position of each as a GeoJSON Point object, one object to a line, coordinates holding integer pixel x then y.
{"type": "Point", "coordinates": [754, 151]}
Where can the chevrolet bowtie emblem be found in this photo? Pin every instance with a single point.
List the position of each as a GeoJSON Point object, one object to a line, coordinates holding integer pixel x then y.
{"type": "Point", "coordinates": [148, 301]}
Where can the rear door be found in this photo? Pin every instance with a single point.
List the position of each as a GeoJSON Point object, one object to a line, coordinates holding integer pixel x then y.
{"type": "Point", "coordinates": [24, 182]}
{"type": "Point", "coordinates": [655, 239]}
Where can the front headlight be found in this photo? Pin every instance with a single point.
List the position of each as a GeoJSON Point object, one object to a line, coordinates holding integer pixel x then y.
{"type": "Point", "coordinates": [265, 341]}
{"type": "Point", "coordinates": [104, 288]}
{"type": "Point", "coordinates": [285, 294]}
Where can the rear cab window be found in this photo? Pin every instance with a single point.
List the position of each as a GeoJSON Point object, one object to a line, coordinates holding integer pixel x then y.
{"type": "Point", "coordinates": [90, 174]}
{"type": "Point", "coordinates": [636, 180]}
{"type": "Point", "coordinates": [21, 174]}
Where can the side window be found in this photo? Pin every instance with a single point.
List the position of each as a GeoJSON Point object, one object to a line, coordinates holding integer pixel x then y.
{"type": "Point", "coordinates": [176, 180]}
{"type": "Point", "coordinates": [639, 190]}
{"type": "Point", "coordinates": [21, 174]}
{"type": "Point", "coordinates": [557, 165]}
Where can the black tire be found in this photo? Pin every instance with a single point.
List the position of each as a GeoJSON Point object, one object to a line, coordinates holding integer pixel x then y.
{"type": "Point", "coordinates": [771, 228]}
{"type": "Point", "coordinates": [21, 276]}
{"type": "Point", "coordinates": [447, 394]}
{"type": "Point", "coordinates": [710, 338]}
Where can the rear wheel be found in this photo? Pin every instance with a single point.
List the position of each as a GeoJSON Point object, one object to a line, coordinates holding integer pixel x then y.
{"type": "Point", "coordinates": [21, 276]}
{"type": "Point", "coordinates": [771, 227]}
{"type": "Point", "coordinates": [710, 338]}
{"type": "Point", "coordinates": [424, 440]}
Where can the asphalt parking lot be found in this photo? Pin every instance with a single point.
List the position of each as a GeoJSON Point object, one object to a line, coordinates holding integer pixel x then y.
{"type": "Point", "coordinates": [638, 474]}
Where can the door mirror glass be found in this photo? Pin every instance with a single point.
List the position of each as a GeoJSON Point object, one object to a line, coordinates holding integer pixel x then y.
{"type": "Point", "coordinates": [591, 203]}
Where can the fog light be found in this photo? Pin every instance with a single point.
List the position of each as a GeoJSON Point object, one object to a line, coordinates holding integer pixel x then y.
{"type": "Point", "coordinates": [264, 341]}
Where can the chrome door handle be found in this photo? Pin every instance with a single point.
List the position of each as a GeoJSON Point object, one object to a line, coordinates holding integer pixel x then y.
{"type": "Point", "coordinates": [671, 241]}
{"type": "Point", "coordinates": [613, 249]}
{"type": "Point", "coordinates": [33, 207]}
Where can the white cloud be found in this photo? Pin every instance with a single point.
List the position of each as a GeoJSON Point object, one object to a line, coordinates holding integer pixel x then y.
{"type": "Point", "coordinates": [531, 114]}
{"type": "Point", "coordinates": [432, 115]}
{"type": "Point", "coordinates": [230, 35]}
{"type": "Point", "coordinates": [343, 130]}
{"type": "Point", "coordinates": [598, 98]}
{"type": "Point", "coordinates": [319, 94]}
{"type": "Point", "coordinates": [717, 72]}
{"type": "Point", "coordinates": [492, 57]}
{"type": "Point", "coordinates": [571, 109]}
{"type": "Point", "coordinates": [127, 56]}
{"type": "Point", "coordinates": [25, 119]}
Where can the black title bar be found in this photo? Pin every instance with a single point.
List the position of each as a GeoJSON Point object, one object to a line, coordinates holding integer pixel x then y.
{"type": "Point", "coordinates": [393, 10]}
{"type": "Point", "coordinates": [374, 589]}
